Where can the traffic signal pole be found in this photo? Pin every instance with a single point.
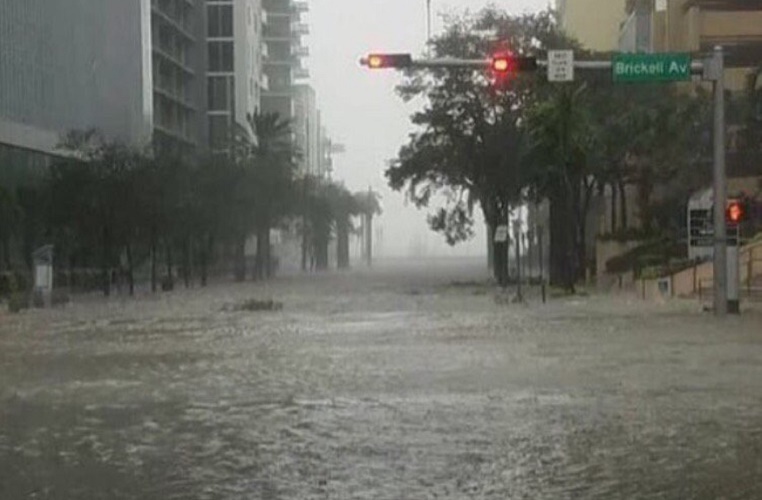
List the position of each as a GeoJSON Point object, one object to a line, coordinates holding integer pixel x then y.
{"type": "Point", "coordinates": [726, 265]}
{"type": "Point", "coordinates": [715, 72]}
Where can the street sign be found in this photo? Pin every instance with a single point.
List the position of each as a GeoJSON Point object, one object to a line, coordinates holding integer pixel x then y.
{"type": "Point", "coordinates": [644, 68]}
{"type": "Point", "coordinates": [560, 65]}
{"type": "Point", "coordinates": [501, 234]}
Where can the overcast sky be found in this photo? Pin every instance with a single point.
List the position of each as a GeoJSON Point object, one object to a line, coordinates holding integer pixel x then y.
{"type": "Point", "coordinates": [360, 107]}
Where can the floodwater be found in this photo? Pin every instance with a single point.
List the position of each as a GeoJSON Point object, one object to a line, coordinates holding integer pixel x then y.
{"type": "Point", "coordinates": [400, 383]}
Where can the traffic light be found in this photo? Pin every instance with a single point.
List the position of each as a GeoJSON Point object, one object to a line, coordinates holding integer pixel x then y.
{"type": "Point", "coordinates": [381, 61]}
{"type": "Point", "coordinates": [735, 212]}
{"type": "Point", "coordinates": [505, 64]}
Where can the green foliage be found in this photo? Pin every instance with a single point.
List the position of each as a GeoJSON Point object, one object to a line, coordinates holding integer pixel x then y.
{"type": "Point", "coordinates": [12, 282]}
{"type": "Point", "coordinates": [663, 254]}
{"type": "Point", "coordinates": [629, 234]}
{"type": "Point", "coordinates": [18, 301]}
{"type": "Point", "coordinates": [500, 143]}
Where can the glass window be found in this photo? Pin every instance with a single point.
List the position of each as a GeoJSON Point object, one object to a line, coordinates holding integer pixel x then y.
{"type": "Point", "coordinates": [227, 56]}
{"type": "Point", "coordinates": [220, 56]}
{"type": "Point", "coordinates": [218, 93]}
{"type": "Point", "coordinates": [220, 21]}
{"type": "Point", "coordinates": [213, 20]}
{"type": "Point", "coordinates": [219, 131]}
{"type": "Point", "coordinates": [226, 20]}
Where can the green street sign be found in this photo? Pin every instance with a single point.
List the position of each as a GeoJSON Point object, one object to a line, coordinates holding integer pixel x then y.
{"type": "Point", "coordinates": [643, 68]}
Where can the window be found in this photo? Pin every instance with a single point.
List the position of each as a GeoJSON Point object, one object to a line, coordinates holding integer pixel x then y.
{"type": "Point", "coordinates": [218, 93]}
{"type": "Point", "coordinates": [220, 56]}
{"type": "Point", "coordinates": [220, 21]}
{"type": "Point", "coordinates": [219, 131]}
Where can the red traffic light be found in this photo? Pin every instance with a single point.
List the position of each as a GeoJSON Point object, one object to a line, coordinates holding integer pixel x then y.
{"type": "Point", "coordinates": [380, 61]}
{"type": "Point", "coordinates": [504, 63]}
{"type": "Point", "coordinates": [735, 212]}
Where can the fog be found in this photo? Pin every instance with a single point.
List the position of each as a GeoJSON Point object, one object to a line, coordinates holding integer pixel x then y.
{"type": "Point", "coordinates": [362, 111]}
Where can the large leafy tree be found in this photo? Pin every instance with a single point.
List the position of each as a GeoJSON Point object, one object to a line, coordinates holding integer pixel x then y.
{"type": "Point", "coordinates": [560, 131]}
{"type": "Point", "coordinates": [470, 141]}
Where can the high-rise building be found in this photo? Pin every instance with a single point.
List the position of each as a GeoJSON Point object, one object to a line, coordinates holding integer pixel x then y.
{"type": "Point", "coordinates": [306, 127]}
{"type": "Point", "coordinates": [74, 65]}
{"type": "Point", "coordinates": [178, 61]}
{"type": "Point", "coordinates": [283, 67]}
{"type": "Point", "coordinates": [129, 69]}
{"type": "Point", "coordinates": [234, 73]}
{"type": "Point", "coordinates": [177, 73]}
{"type": "Point", "coordinates": [594, 23]}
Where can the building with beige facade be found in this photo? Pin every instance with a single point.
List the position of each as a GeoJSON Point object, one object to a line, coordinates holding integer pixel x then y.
{"type": "Point", "coordinates": [594, 23]}
{"type": "Point", "coordinates": [696, 26]}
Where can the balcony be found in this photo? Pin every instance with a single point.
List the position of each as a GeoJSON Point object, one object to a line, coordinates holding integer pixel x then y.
{"type": "Point", "coordinates": [300, 51]}
{"type": "Point", "coordinates": [173, 60]}
{"type": "Point", "coordinates": [300, 29]}
{"type": "Point", "coordinates": [174, 97]}
{"type": "Point", "coordinates": [277, 7]}
{"type": "Point", "coordinates": [171, 22]}
{"type": "Point", "coordinates": [301, 73]}
{"type": "Point", "coordinates": [725, 5]}
{"type": "Point", "coordinates": [300, 7]}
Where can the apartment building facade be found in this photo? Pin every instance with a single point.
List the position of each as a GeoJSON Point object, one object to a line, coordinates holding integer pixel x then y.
{"type": "Point", "coordinates": [178, 62]}
{"type": "Point", "coordinates": [74, 65]}
{"type": "Point", "coordinates": [234, 71]}
{"type": "Point", "coordinates": [285, 51]}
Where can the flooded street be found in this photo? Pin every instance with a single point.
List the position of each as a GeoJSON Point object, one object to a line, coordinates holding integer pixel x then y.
{"type": "Point", "coordinates": [400, 383]}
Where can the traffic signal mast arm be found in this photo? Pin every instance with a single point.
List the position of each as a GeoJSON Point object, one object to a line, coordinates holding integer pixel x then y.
{"type": "Point", "coordinates": [406, 61]}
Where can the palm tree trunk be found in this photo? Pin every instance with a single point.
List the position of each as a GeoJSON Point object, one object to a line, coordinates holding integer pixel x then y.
{"type": "Point", "coordinates": [206, 245]}
{"type": "Point", "coordinates": [342, 237]}
{"type": "Point", "coordinates": [154, 262]}
{"type": "Point", "coordinates": [130, 271]}
{"type": "Point", "coordinates": [105, 262]}
{"type": "Point", "coordinates": [170, 265]}
{"type": "Point", "coordinates": [186, 262]}
{"type": "Point", "coordinates": [240, 259]}
{"type": "Point", "coordinates": [268, 255]}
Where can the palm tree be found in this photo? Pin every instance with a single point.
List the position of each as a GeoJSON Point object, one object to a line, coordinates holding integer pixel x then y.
{"type": "Point", "coordinates": [268, 157]}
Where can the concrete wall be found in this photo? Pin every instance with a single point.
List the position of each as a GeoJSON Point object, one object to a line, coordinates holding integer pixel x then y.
{"type": "Point", "coordinates": [688, 283]}
{"type": "Point", "coordinates": [73, 64]}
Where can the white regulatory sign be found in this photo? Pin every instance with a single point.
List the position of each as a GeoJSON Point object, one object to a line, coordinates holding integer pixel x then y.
{"type": "Point", "coordinates": [560, 65]}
